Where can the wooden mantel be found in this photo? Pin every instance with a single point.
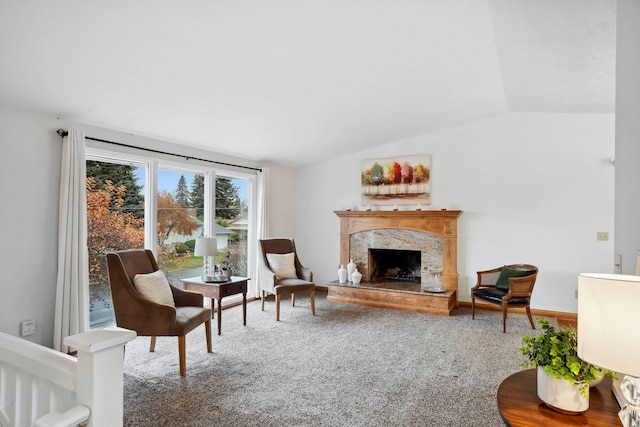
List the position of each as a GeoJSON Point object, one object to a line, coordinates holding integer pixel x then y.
{"type": "Point", "coordinates": [442, 223]}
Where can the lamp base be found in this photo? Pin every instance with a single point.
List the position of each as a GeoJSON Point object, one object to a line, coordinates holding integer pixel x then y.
{"type": "Point", "coordinates": [207, 277]}
{"type": "Point", "coordinates": [629, 413]}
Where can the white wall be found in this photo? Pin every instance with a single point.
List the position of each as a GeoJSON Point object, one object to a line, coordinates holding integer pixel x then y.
{"type": "Point", "coordinates": [627, 196]}
{"type": "Point", "coordinates": [533, 188]}
{"type": "Point", "coordinates": [30, 154]}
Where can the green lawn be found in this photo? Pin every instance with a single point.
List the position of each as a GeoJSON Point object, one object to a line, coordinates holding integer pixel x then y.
{"type": "Point", "coordinates": [192, 262]}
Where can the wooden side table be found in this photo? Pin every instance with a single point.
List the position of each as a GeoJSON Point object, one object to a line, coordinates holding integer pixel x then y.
{"type": "Point", "coordinates": [217, 291]}
{"type": "Point", "coordinates": [520, 406]}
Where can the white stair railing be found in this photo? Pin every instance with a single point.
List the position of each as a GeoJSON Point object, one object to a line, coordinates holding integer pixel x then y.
{"type": "Point", "coordinates": [45, 388]}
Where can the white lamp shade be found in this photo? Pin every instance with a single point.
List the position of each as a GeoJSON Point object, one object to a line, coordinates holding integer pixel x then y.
{"type": "Point", "coordinates": [609, 321]}
{"type": "Point", "coordinates": [206, 246]}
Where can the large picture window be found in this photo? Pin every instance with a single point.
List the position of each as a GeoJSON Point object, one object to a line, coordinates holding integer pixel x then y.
{"type": "Point", "coordinates": [134, 202]}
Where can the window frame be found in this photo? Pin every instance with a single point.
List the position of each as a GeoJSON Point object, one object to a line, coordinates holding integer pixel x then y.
{"type": "Point", "coordinates": [152, 163]}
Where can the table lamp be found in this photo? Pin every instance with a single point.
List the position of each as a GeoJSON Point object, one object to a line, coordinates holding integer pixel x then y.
{"type": "Point", "coordinates": [206, 247]}
{"type": "Point", "coordinates": [609, 334]}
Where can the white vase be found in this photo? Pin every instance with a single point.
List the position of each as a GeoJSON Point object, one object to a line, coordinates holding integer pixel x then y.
{"type": "Point", "coordinates": [356, 276]}
{"type": "Point", "coordinates": [342, 274]}
{"type": "Point", "coordinates": [560, 394]}
{"type": "Point", "coordinates": [351, 267]}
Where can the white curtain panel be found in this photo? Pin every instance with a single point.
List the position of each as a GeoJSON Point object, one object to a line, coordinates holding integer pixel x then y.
{"type": "Point", "coordinates": [262, 230]}
{"type": "Point", "coordinates": [72, 292]}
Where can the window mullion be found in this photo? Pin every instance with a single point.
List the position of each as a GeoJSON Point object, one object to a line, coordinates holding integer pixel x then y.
{"type": "Point", "coordinates": [151, 208]}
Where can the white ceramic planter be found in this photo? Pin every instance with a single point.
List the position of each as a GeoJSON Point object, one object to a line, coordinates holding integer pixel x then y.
{"type": "Point", "coordinates": [561, 395]}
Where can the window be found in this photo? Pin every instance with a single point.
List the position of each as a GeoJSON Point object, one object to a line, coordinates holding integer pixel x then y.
{"type": "Point", "coordinates": [181, 220]}
{"type": "Point", "coordinates": [115, 221]}
{"type": "Point", "coordinates": [136, 202]}
{"type": "Point", "coordinates": [232, 223]}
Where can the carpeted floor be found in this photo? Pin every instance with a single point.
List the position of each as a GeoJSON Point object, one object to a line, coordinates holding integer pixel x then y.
{"type": "Point", "coordinates": [347, 366]}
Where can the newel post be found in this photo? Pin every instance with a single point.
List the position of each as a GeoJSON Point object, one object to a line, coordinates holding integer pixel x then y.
{"type": "Point", "coordinates": [99, 373]}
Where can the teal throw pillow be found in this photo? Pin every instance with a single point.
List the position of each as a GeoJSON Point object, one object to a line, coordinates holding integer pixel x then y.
{"type": "Point", "coordinates": [507, 273]}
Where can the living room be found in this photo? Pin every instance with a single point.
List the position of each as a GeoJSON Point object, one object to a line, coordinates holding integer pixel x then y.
{"type": "Point", "coordinates": [534, 186]}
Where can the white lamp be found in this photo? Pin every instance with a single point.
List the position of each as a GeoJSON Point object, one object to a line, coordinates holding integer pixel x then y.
{"type": "Point", "coordinates": [609, 334]}
{"type": "Point", "coordinates": [206, 247]}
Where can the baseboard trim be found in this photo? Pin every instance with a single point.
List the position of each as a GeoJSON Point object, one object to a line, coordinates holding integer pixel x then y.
{"type": "Point", "coordinates": [560, 315]}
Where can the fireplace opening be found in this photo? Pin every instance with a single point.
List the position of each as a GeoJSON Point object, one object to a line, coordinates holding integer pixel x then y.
{"type": "Point", "coordinates": [394, 264]}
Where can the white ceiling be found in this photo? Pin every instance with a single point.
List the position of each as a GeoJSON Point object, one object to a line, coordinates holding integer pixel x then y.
{"type": "Point", "coordinates": [298, 81]}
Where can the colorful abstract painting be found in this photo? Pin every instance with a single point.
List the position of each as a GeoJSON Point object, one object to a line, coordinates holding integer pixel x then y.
{"type": "Point", "coordinates": [402, 180]}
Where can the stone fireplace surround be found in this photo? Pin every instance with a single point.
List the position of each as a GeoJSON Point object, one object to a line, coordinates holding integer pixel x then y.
{"type": "Point", "coordinates": [433, 232]}
{"type": "Point", "coordinates": [429, 245]}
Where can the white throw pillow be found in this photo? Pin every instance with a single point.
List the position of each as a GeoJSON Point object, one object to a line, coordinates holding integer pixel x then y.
{"type": "Point", "coordinates": [283, 265]}
{"type": "Point", "coordinates": [154, 287]}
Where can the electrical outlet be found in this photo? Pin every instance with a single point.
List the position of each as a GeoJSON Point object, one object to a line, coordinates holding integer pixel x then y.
{"type": "Point", "coordinates": [28, 327]}
{"type": "Point", "coordinates": [603, 235]}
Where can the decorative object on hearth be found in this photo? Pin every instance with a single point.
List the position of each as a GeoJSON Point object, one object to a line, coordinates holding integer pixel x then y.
{"type": "Point", "coordinates": [563, 378]}
{"type": "Point", "coordinates": [351, 267]}
{"type": "Point", "coordinates": [403, 180]}
{"type": "Point", "coordinates": [433, 284]}
{"type": "Point", "coordinates": [207, 247]}
{"type": "Point", "coordinates": [342, 274]}
{"type": "Point", "coordinates": [608, 334]}
{"type": "Point", "coordinates": [356, 276]}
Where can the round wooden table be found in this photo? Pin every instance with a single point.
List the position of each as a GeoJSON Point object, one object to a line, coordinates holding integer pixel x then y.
{"type": "Point", "coordinates": [520, 406]}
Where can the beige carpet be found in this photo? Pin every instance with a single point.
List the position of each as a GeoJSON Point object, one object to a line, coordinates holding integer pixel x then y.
{"type": "Point", "coordinates": [347, 366]}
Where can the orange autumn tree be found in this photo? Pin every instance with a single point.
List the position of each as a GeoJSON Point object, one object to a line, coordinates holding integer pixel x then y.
{"type": "Point", "coordinates": [108, 227]}
{"type": "Point", "coordinates": [172, 219]}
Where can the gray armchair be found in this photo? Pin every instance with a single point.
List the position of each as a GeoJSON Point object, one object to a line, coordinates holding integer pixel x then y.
{"type": "Point", "coordinates": [280, 278]}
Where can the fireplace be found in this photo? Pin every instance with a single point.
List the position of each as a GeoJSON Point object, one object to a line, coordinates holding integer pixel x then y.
{"type": "Point", "coordinates": [392, 248]}
{"type": "Point", "coordinates": [427, 250]}
{"type": "Point", "coordinates": [395, 265]}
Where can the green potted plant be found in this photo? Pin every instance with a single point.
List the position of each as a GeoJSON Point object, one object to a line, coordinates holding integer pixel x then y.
{"type": "Point", "coordinates": [563, 378]}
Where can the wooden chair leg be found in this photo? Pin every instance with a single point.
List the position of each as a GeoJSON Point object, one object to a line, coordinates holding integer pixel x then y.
{"type": "Point", "coordinates": [277, 307]}
{"type": "Point", "coordinates": [207, 331]}
{"type": "Point", "coordinates": [313, 303]}
{"type": "Point", "coordinates": [152, 345]}
{"type": "Point", "coordinates": [293, 300]}
{"type": "Point", "coordinates": [533, 326]}
{"type": "Point", "coordinates": [182, 354]}
{"type": "Point", "coordinates": [262, 299]}
{"type": "Point", "coordinates": [504, 319]}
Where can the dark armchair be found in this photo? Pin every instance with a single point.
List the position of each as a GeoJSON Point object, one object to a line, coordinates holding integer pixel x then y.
{"type": "Point", "coordinates": [508, 286]}
{"type": "Point", "coordinates": [289, 276]}
{"type": "Point", "coordinates": [136, 312]}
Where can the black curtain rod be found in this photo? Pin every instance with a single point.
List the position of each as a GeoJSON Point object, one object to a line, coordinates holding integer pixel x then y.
{"type": "Point", "coordinates": [63, 132]}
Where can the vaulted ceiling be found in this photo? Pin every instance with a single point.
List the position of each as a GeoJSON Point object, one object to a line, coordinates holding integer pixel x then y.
{"type": "Point", "coordinates": [298, 81]}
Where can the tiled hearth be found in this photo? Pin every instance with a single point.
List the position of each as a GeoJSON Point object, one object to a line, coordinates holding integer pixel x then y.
{"type": "Point", "coordinates": [432, 233]}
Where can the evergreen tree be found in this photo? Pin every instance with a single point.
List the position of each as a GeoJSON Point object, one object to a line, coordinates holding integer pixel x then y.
{"type": "Point", "coordinates": [119, 175]}
{"type": "Point", "coordinates": [182, 193]}
{"type": "Point", "coordinates": [227, 199]}
{"type": "Point", "coordinates": [196, 197]}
